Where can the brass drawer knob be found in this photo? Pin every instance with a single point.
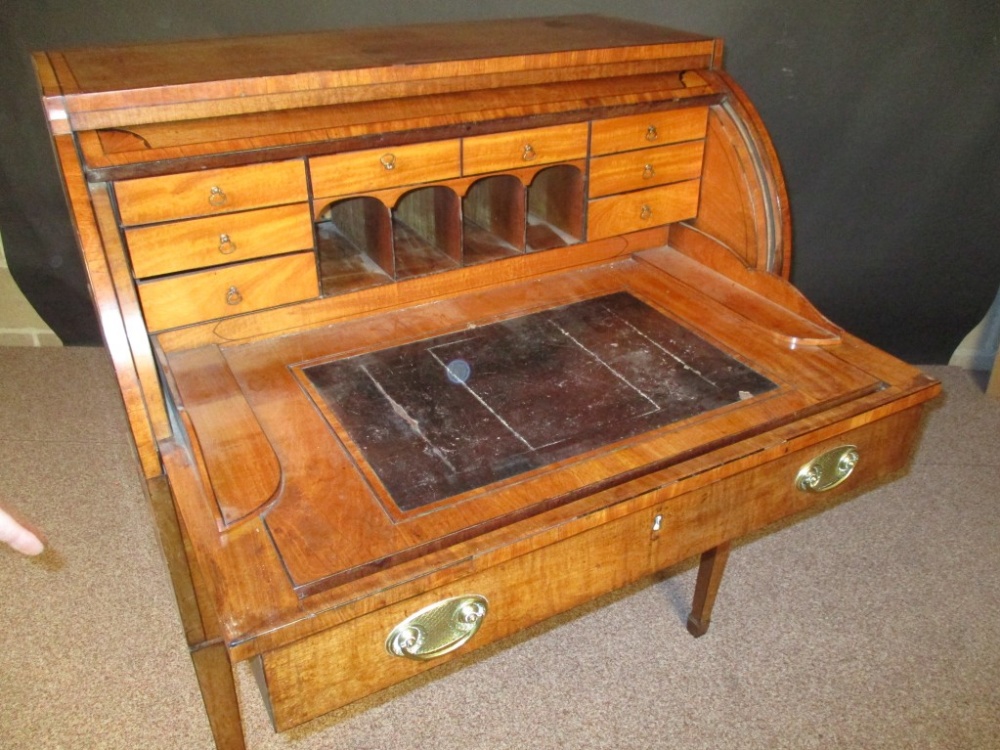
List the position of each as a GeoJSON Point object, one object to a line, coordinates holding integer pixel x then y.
{"type": "Point", "coordinates": [438, 629]}
{"type": "Point", "coordinates": [226, 245]}
{"type": "Point", "coordinates": [388, 162]}
{"type": "Point", "coordinates": [828, 470]}
{"type": "Point", "coordinates": [646, 213]}
{"type": "Point", "coordinates": [233, 296]}
{"type": "Point", "coordinates": [217, 196]}
{"type": "Point", "coordinates": [529, 153]}
{"type": "Point", "coordinates": [651, 134]}
{"type": "Point", "coordinates": [648, 171]}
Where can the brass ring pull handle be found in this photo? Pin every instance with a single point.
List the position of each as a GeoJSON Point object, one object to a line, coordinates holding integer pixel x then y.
{"type": "Point", "coordinates": [438, 629]}
{"type": "Point", "coordinates": [388, 162]}
{"type": "Point", "coordinates": [646, 213]}
{"type": "Point", "coordinates": [648, 171]}
{"type": "Point", "coordinates": [651, 134]}
{"type": "Point", "coordinates": [217, 196]}
{"type": "Point", "coordinates": [226, 245]}
{"type": "Point", "coordinates": [828, 470]}
{"type": "Point", "coordinates": [528, 153]}
{"type": "Point", "coordinates": [233, 296]}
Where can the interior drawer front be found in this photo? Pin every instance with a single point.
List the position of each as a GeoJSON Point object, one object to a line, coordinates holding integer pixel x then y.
{"type": "Point", "coordinates": [215, 191]}
{"type": "Point", "coordinates": [228, 290]}
{"type": "Point", "coordinates": [375, 169]}
{"type": "Point", "coordinates": [212, 241]}
{"type": "Point", "coordinates": [642, 209]}
{"type": "Point", "coordinates": [524, 148]}
{"type": "Point", "coordinates": [635, 170]}
{"type": "Point", "coordinates": [643, 131]}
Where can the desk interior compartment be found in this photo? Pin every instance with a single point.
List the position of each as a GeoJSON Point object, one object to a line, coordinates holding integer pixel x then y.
{"type": "Point", "coordinates": [427, 232]}
{"type": "Point", "coordinates": [555, 208]}
{"type": "Point", "coordinates": [493, 219]}
{"type": "Point", "coordinates": [354, 240]}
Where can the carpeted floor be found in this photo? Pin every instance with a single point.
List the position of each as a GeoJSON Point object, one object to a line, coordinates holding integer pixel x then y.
{"type": "Point", "coordinates": [875, 624]}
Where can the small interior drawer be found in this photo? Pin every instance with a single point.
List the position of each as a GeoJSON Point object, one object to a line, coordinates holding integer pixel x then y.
{"type": "Point", "coordinates": [642, 209]}
{"type": "Point", "coordinates": [653, 129]}
{"type": "Point", "coordinates": [215, 240]}
{"type": "Point", "coordinates": [180, 196]}
{"type": "Point", "coordinates": [228, 290]}
{"type": "Point", "coordinates": [377, 169]}
{"type": "Point", "coordinates": [523, 148]}
{"type": "Point", "coordinates": [635, 170]}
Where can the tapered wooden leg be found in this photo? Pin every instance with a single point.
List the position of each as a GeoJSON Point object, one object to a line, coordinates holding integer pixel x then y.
{"type": "Point", "coordinates": [710, 570]}
{"type": "Point", "coordinates": [211, 662]}
{"type": "Point", "coordinates": [218, 691]}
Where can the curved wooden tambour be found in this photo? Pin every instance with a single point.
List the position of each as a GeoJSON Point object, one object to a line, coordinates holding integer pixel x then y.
{"type": "Point", "coordinates": [744, 203]}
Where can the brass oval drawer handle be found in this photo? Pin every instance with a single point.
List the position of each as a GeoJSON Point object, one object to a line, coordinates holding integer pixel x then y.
{"type": "Point", "coordinates": [828, 470]}
{"type": "Point", "coordinates": [651, 133]}
{"type": "Point", "coordinates": [388, 162]}
{"type": "Point", "coordinates": [217, 196]}
{"type": "Point", "coordinates": [226, 245]}
{"type": "Point", "coordinates": [646, 213]}
{"type": "Point", "coordinates": [529, 153]}
{"type": "Point", "coordinates": [438, 629]}
{"type": "Point", "coordinates": [648, 171]}
{"type": "Point", "coordinates": [233, 296]}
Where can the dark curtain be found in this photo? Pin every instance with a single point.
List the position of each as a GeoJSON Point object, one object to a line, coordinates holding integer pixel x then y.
{"type": "Point", "coordinates": [886, 116]}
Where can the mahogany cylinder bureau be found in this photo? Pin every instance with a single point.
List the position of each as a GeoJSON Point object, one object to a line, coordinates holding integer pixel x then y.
{"type": "Point", "coordinates": [424, 337]}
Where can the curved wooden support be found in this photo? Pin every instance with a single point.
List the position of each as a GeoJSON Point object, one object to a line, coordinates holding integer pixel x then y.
{"type": "Point", "coordinates": [768, 317]}
{"type": "Point", "coordinates": [240, 461]}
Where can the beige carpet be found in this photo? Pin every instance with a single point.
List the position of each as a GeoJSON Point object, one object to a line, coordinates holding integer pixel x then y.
{"type": "Point", "coordinates": [875, 624]}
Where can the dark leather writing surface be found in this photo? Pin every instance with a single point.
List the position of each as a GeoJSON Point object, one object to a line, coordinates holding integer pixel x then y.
{"type": "Point", "coordinates": [442, 416]}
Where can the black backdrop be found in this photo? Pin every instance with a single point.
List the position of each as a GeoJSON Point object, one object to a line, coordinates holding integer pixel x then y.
{"type": "Point", "coordinates": [885, 114]}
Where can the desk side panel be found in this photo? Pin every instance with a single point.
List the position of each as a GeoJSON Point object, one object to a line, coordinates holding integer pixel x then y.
{"type": "Point", "coordinates": [102, 285]}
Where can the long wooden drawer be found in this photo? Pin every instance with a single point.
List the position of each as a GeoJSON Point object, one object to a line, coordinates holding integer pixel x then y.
{"type": "Point", "coordinates": [340, 665]}
{"type": "Point", "coordinates": [643, 131]}
{"type": "Point", "coordinates": [228, 290]}
{"type": "Point", "coordinates": [630, 212]}
{"type": "Point", "coordinates": [522, 148]}
{"type": "Point", "coordinates": [377, 169]}
{"type": "Point", "coordinates": [212, 241]}
{"type": "Point", "coordinates": [180, 196]}
{"type": "Point", "coordinates": [635, 170]}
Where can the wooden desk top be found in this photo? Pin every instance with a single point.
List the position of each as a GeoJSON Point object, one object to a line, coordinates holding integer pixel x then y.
{"type": "Point", "coordinates": [120, 86]}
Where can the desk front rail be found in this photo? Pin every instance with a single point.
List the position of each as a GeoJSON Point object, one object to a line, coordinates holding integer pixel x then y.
{"type": "Point", "coordinates": [332, 668]}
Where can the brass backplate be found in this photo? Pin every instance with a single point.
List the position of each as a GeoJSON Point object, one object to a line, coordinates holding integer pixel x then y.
{"type": "Point", "coordinates": [438, 629]}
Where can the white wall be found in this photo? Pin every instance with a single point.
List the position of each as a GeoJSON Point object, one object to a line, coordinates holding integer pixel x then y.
{"type": "Point", "coordinates": [20, 325]}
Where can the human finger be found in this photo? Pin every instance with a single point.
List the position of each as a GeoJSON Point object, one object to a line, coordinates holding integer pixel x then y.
{"type": "Point", "coordinates": [18, 537]}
